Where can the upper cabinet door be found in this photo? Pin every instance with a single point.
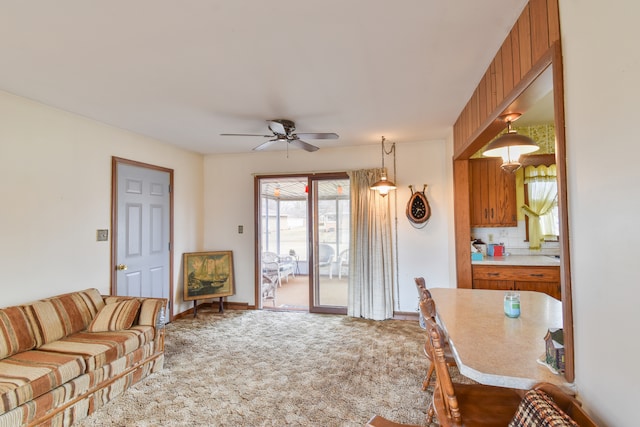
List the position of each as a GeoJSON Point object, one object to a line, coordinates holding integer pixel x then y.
{"type": "Point", "coordinates": [493, 194]}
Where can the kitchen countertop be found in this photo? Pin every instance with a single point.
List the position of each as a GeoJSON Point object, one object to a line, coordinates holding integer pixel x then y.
{"type": "Point", "coordinates": [526, 260]}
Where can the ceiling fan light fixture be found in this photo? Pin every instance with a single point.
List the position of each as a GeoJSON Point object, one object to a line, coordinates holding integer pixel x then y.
{"type": "Point", "coordinates": [282, 131]}
{"type": "Point", "coordinates": [510, 146]}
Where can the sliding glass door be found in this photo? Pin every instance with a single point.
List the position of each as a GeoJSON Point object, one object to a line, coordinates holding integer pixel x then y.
{"type": "Point", "coordinates": [330, 237]}
{"type": "Point", "coordinates": [302, 242]}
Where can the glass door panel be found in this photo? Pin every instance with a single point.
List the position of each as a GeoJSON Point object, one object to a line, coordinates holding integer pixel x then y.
{"type": "Point", "coordinates": [330, 244]}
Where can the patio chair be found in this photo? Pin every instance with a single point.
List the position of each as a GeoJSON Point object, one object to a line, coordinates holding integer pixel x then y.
{"type": "Point", "coordinates": [269, 287]}
{"type": "Point", "coordinates": [325, 257]}
{"type": "Point", "coordinates": [281, 265]}
{"type": "Point", "coordinates": [343, 263]}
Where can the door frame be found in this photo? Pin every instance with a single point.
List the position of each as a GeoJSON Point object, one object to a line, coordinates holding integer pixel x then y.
{"type": "Point", "coordinates": [312, 219]}
{"type": "Point", "coordinates": [115, 161]}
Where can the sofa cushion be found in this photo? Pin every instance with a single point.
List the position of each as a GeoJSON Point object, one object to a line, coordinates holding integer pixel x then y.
{"type": "Point", "coordinates": [33, 373]}
{"type": "Point", "coordinates": [15, 332]}
{"type": "Point", "coordinates": [537, 409]}
{"type": "Point", "coordinates": [101, 348]}
{"type": "Point", "coordinates": [115, 317]}
{"type": "Point", "coordinates": [63, 315]}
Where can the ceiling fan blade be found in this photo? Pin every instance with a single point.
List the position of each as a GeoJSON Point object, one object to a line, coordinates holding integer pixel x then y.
{"type": "Point", "coordinates": [321, 135]}
{"type": "Point", "coordinates": [304, 145]}
{"type": "Point", "coordinates": [245, 134]}
{"type": "Point", "coordinates": [277, 127]}
{"type": "Point", "coordinates": [265, 144]}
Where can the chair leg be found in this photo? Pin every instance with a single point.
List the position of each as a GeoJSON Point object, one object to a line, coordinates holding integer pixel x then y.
{"type": "Point", "coordinates": [427, 379]}
{"type": "Point", "coordinates": [430, 413]}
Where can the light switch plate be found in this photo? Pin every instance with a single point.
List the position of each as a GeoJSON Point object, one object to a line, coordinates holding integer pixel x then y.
{"type": "Point", "coordinates": [240, 229]}
{"type": "Point", "coordinates": [102, 235]}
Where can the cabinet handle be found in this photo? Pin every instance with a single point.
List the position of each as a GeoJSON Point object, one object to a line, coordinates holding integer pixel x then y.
{"type": "Point", "coordinates": [493, 274]}
{"type": "Point", "coordinates": [491, 213]}
{"type": "Point", "coordinates": [486, 213]}
{"type": "Point", "coordinates": [536, 275]}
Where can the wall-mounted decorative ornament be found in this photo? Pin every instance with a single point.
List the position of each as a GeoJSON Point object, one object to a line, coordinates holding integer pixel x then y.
{"type": "Point", "coordinates": [418, 209]}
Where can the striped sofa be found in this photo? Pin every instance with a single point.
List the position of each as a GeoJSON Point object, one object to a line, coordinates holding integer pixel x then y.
{"type": "Point", "coordinates": [63, 357]}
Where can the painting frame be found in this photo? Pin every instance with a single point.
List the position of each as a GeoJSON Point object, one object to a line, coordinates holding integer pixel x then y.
{"type": "Point", "coordinates": [208, 275]}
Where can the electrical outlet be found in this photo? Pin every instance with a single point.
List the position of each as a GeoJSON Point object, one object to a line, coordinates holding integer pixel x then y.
{"type": "Point", "coordinates": [490, 238]}
{"type": "Point", "coordinates": [102, 235]}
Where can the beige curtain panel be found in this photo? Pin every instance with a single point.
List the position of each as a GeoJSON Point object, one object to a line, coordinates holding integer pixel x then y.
{"type": "Point", "coordinates": [371, 249]}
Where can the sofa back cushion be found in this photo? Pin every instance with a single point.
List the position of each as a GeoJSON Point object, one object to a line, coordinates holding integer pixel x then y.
{"type": "Point", "coordinates": [60, 316]}
{"type": "Point", "coordinates": [15, 332]}
{"type": "Point", "coordinates": [116, 316]}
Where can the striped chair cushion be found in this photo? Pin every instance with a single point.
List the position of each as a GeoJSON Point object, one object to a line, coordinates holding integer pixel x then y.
{"type": "Point", "coordinates": [15, 332]}
{"type": "Point", "coordinates": [101, 348]}
{"type": "Point", "coordinates": [537, 409]}
{"type": "Point", "coordinates": [33, 373]}
{"type": "Point", "coordinates": [115, 317]}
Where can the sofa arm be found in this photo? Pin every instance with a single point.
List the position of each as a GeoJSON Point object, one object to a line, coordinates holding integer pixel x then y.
{"type": "Point", "coordinates": [150, 311]}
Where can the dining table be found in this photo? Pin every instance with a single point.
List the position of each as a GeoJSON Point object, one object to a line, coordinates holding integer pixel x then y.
{"type": "Point", "coordinates": [492, 348]}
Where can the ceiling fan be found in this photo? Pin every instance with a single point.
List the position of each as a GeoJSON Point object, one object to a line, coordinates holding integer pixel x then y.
{"type": "Point", "coordinates": [282, 131]}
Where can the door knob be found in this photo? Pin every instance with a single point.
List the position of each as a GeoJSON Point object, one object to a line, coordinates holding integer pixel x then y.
{"type": "Point", "coordinates": [121, 267]}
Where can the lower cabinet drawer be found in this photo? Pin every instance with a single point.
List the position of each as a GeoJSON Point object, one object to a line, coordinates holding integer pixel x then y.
{"type": "Point", "coordinates": [522, 274]}
{"type": "Point", "coordinates": [510, 278]}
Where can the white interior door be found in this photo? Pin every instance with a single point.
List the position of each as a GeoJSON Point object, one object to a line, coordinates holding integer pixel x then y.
{"type": "Point", "coordinates": [142, 231]}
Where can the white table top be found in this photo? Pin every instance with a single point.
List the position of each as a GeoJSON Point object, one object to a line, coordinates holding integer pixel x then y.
{"type": "Point", "coordinates": [492, 348]}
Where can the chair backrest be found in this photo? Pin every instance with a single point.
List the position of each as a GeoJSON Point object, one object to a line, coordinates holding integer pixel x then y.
{"type": "Point", "coordinates": [344, 257]}
{"type": "Point", "coordinates": [269, 257]}
{"type": "Point", "coordinates": [423, 292]}
{"type": "Point", "coordinates": [325, 253]}
{"type": "Point", "coordinates": [444, 385]}
{"type": "Point", "coordinates": [428, 308]}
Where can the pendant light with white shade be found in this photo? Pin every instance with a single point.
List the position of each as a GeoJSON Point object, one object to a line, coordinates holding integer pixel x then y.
{"type": "Point", "coordinates": [510, 145]}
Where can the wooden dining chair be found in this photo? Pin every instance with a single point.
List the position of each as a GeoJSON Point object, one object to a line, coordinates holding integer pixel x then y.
{"type": "Point", "coordinates": [428, 310]}
{"type": "Point", "coordinates": [466, 404]}
{"type": "Point", "coordinates": [423, 292]}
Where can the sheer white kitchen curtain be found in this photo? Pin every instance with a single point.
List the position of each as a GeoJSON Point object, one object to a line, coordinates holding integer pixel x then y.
{"type": "Point", "coordinates": [372, 270]}
{"type": "Point", "coordinates": [542, 191]}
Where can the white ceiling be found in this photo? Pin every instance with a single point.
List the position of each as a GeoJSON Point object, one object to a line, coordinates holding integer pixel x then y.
{"type": "Point", "coordinates": [185, 71]}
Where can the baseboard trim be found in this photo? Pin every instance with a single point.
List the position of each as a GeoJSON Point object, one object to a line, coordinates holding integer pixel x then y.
{"type": "Point", "coordinates": [405, 315]}
{"type": "Point", "coordinates": [233, 305]}
{"type": "Point", "coordinates": [215, 306]}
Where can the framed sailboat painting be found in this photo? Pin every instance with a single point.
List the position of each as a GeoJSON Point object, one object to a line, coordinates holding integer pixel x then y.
{"type": "Point", "coordinates": [208, 275]}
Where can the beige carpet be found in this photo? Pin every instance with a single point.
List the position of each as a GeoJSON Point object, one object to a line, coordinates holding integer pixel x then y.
{"type": "Point", "coordinates": [262, 368]}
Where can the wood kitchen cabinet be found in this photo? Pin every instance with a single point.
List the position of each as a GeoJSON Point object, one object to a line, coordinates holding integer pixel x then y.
{"type": "Point", "coordinates": [492, 194]}
{"type": "Point", "coordinates": [518, 278]}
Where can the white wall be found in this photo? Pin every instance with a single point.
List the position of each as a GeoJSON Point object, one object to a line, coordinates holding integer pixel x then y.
{"type": "Point", "coordinates": [55, 188]}
{"type": "Point", "coordinates": [229, 182]}
{"type": "Point", "coordinates": [602, 90]}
